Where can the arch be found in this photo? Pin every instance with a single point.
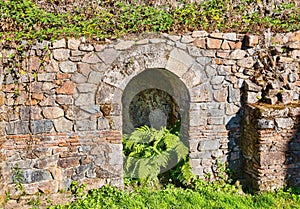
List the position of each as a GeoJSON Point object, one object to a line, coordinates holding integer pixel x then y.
{"type": "Point", "coordinates": [161, 79]}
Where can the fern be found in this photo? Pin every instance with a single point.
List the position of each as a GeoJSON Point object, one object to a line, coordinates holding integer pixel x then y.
{"type": "Point", "coordinates": [149, 152]}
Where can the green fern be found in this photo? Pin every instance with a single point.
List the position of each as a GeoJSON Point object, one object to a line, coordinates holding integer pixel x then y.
{"type": "Point", "coordinates": [149, 152]}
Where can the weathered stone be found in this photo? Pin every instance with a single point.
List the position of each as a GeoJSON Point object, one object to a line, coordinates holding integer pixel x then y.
{"type": "Point", "coordinates": [265, 123]}
{"type": "Point", "coordinates": [63, 125]}
{"type": "Point", "coordinates": [86, 87]}
{"type": "Point", "coordinates": [179, 62]}
{"type": "Point", "coordinates": [215, 121]}
{"type": "Point", "coordinates": [246, 62]}
{"type": "Point", "coordinates": [31, 112]}
{"type": "Point", "coordinates": [31, 176]}
{"type": "Point", "coordinates": [67, 67]}
{"type": "Point", "coordinates": [48, 88]}
{"type": "Point", "coordinates": [284, 123]}
{"type": "Point", "coordinates": [79, 78]}
{"type": "Point", "coordinates": [67, 87]}
{"type": "Point", "coordinates": [294, 45]}
{"type": "Point", "coordinates": [115, 156]}
{"type": "Point", "coordinates": [52, 66]}
{"type": "Point", "coordinates": [61, 54]}
{"type": "Point", "coordinates": [85, 99]}
{"type": "Point", "coordinates": [208, 145]}
{"type": "Point", "coordinates": [69, 162]}
{"type": "Point", "coordinates": [18, 127]}
{"type": "Point", "coordinates": [46, 76]}
{"type": "Point", "coordinates": [73, 43]}
{"type": "Point", "coordinates": [213, 43]}
{"type": "Point", "coordinates": [86, 125]}
{"type": "Point", "coordinates": [250, 86]}
{"type": "Point", "coordinates": [216, 80]}
{"type": "Point", "coordinates": [225, 45]}
{"type": "Point", "coordinates": [237, 54]}
{"type": "Point", "coordinates": [197, 34]}
{"type": "Point", "coordinates": [48, 101]}
{"type": "Point", "coordinates": [102, 124]}
{"type": "Point", "coordinates": [296, 54]}
{"type": "Point", "coordinates": [49, 187]}
{"type": "Point", "coordinates": [91, 58]}
{"type": "Point", "coordinates": [187, 39]}
{"type": "Point", "coordinates": [195, 76]}
{"type": "Point", "coordinates": [59, 44]}
{"type": "Point", "coordinates": [230, 36]}
{"type": "Point", "coordinates": [231, 109]}
{"type": "Point", "coordinates": [253, 97]}
{"type": "Point", "coordinates": [194, 51]}
{"type": "Point", "coordinates": [200, 43]}
{"type": "Point", "coordinates": [286, 97]}
{"type": "Point", "coordinates": [41, 126]}
{"type": "Point", "coordinates": [201, 93]}
{"type": "Point", "coordinates": [220, 95]}
{"type": "Point", "coordinates": [203, 60]}
{"type": "Point", "coordinates": [123, 45]}
{"type": "Point", "coordinates": [251, 40]}
{"type": "Point", "coordinates": [53, 112]}
{"type": "Point", "coordinates": [86, 47]}
{"type": "Point", "coordinates": [108, 56]}
{"type": "Point", "coordinates": [64, 99]}
{"type": "Point", "coordinates": [95, 77]}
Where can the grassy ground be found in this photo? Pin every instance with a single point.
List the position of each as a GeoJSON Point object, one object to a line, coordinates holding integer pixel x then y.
{"type": "Point", "coordinates": [203, 195]}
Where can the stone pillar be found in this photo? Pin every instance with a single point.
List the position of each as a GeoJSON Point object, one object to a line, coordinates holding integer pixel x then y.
{"type": "Point", "coordinates": [270, 146]}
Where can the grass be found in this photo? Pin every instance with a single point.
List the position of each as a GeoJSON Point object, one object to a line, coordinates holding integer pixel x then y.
{"type": "Point", "coordinates": [204, 195]}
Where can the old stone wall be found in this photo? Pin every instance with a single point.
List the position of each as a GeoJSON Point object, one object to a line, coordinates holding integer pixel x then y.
{"type": "Point", "coordinates": [271, 146]}
{"type": "Point", "coordinates": [61, 115]}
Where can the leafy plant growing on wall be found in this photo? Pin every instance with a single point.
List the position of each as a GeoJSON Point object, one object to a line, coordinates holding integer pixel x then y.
{"type": "Point", "coordinates": [149, 152]}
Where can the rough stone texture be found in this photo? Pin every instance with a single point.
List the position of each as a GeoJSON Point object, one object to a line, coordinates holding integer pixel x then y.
{"type": "Point", "coordinates": [270, 146]}
{"type": "Point", "coordinates": [65, 123]}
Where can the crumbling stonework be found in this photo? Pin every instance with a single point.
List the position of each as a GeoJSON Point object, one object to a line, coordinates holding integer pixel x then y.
{"type": "Point", "coordinates": [62, 117]}
{"type": "Point", "coordinates": [270, 145]}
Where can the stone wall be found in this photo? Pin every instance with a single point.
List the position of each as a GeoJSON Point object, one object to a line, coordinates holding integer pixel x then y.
{"type": "Point", "coordinates": [270, 144]}
{"type": "Point", "coordinates": [61, 116]}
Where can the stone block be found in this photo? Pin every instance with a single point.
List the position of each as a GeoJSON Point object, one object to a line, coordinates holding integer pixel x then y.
{"type": "Point", "coordinates": [49, 187]}
{"type": "Point", "coordinates": [247, 62]}
{"type": "Point", "coordinates": [31, 176]}
{"type": "Point", "coordinates": [200, 43]}
{"type": "Point", "coordinates": [187, 39]}
{"type": "Point", "coordinates": [123, 45]}
{"type": "Point", "coordinates": [108, 56]}
{"type": "Point", "coordinates": [59, 44]}
{"type": "Point", "coordinates": [284, 123]}
{"type": "Point", "coordinates": [251, 40]}
{"type": "Point", "coordinates": [91, 58]}
{"type": "Point", "coordinates": [68, 87]}
{"type": "Point", "coordinates": [86, 125]}
{"type": "Point", "coordinates": [253, 97]}
{"type": "Point", "coordinates": [208, 145]}
{"type": "Point", "coordinates": [95, 77]}
{"type": "Point", "coordinates": [215, 121]}
{"type": "Point", "coordinates": [194, 51]}
{"type": "Point", "coordinates": [199, 34]}
{"type": "Point", "coordinates": [63, 125]}
{"type": "Point", "coordinates": [102, 124]}
{"type": "Point", "coordinates": [41, 126]}
{"type": "Point", "coordinates": [85, 99]}
{"type": "Point", "coordinates": [73, 43]}
{"type": "Point", "coordinates": [30, 112]}
{"type": "Point", "coordinates": [220, 95]}
{"type": "Point", "coordinates": [17, 127]}
{"type": "Point", "coordinates": [52, 66]}
{"type": "Point", "coordinates": [64, 99]}
{"type": "Point", "coordinates": [86, 87]}
{"type": "Point", "coordinates": [213, 43]}
{"type": "Point", "coordinates": [61, 54]}
{"type": "Point", "coordinates": [250, 86]}
{"type": "Point", "coordinates": [201, 93]}
{"type": "Point", "coordinates": [115, 157]}
{"type": "Point", "coordinates": [46, 76]}
{"type": "Point", "coordinates": [67, 67]}
{"type": "Point", "coordinates": [179, 62]}
{"type": "Point", "coordinates": [70, 162]}
{"type": "Point", "coordinates": [265, 123]}
{"type": "Point", "coordinates": [53, 112]}
{"type": "Point", "coordinates": [86, 47]}
{"type": "Point", "coordinates": [237, 54]}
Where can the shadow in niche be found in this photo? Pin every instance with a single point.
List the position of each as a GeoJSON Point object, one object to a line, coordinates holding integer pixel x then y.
{"type": "Point", "coordinates": [234, 128]}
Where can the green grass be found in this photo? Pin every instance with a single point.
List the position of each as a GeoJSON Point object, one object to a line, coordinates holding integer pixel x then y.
{"type": "Point", "coordinates": [205, 195]}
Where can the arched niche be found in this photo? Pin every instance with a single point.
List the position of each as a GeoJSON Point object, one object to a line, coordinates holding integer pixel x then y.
{"type": "Point", "coordinates": [159, 80]}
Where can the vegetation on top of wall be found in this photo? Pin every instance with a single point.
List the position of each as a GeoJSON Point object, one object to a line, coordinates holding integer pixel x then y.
{"type": "Point", "coordinates": [27, 19]}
